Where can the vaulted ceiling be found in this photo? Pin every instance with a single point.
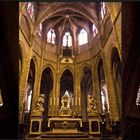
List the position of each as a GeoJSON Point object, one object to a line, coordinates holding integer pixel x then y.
{"type": "Point", "coordinates": [67, 16]}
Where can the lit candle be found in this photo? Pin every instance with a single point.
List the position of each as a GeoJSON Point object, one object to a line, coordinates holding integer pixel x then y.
{"type": "Point", "coordinates": [54, 100]}
{"type": "Point", "coordinates": [75, 101]}
{"type": "Point", "coordinates": [79, 101]}
{"type": "Point", "coordinates": [72, 102]}
{"type": "Point", "coordinates": [50, 100]}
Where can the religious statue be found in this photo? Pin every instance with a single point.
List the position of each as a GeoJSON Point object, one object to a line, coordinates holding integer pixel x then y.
{"type": "Point", "coordinates": [65, 105]}
{"type": "Point", "coordinates": [92, 105]}
{"type": "Point", "coordinates": [39, 109]}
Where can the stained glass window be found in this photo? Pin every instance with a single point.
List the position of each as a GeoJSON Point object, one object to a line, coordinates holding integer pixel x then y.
{"type": "Point", "coordinates": [67, 39]}
{"type": "Point", "coordinates": [103, 10]}
{"type": "Point", "coordinates": [1, 101]}
{"type": "Point", "coordinates": [51, 36]}
{"type": "Point", "coordinates": [39, 29]}
{"type": "Point", "coordinates": [138, 97]}
{"type": "Point", "coordinates": [95, 31]}
{"type": "Point", "coordinates": [83, 39]}
{"type": "Point", "coordinates": [30, 9]}
{"type": "Point", "coordinates": [104, 99]}
{"type": "Point", "coordinates": [28, 101]}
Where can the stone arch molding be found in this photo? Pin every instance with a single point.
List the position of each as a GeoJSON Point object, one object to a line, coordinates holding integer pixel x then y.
{"type": "Point", "coordinates": [28, 23]}
{"type": "Point", "coordinates": [35, 63]}
{"type": "Point", "coordinates": [81, 70]}
{"type": "Point", "coordinates": [23, 50]}
{"type": "Point", "coordinates": [109, 54]}
{"type": "Point", "coordinates": [66, 68]}
{"type": "Point", "coordinates": [51, 68]}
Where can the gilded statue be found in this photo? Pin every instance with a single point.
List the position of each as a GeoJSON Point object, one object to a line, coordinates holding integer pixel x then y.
{"type": "Point", "coordinates": [92, 104]}
{"type": "Point", "coordinates": [65, 105]}
{"type": "Point", "coordinates": [39, 109]}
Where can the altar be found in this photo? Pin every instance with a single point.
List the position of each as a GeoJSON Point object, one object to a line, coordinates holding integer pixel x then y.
{"type": "Point", "coordinates": [64, 124]}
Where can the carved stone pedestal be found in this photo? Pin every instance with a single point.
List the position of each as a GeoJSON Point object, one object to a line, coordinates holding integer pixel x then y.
{"type": "Point", "coordinates": [94, 126]}
{"type": "Point", "coordinates": [35, 125]}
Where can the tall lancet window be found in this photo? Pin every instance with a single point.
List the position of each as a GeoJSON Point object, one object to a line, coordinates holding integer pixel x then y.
{"type": "Point", "coordinates": [67, 39]}
{"type": "Point", "coordinates": [83, 38]}
{"type": "Point", "coordinates": [51, 36]}
{"type": "Point", "coordinates": [104, 99]}
{"type": "Point", "coordinates": [28, 101]}
{"type": "Point", "coordinates": [95, 31]}
{"type": "Point", "coordinates": [103, 10]}
{"type": "Point", "coordinates": [1, 100]}
{"type": "Point", "coordinates": [39, 29]}
{"type": "Point", "coordinates": [138, 97]}
{"type": "Point", "coordinates": [30, 9]}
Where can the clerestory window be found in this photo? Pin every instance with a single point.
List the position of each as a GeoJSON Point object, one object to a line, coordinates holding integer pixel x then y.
{"type": "Point", "coordinates": [67, 39]}
{"type": "Point", "coordinates": [138, 97]}
{"type": "Point", "coordinates": [95, 31]}
{"type": "Point", "coordinates": [39, 29]}
{"type": "Point", "coordinates": [83, 38]}
{"type": "Point", "coordinates": [51, 36]}
{"type": "Point", "coordinates": [30, 9]}
{"type": "Point", "coordinates": [103, 10]}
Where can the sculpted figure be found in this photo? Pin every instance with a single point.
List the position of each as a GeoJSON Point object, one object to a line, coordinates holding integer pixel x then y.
{"type": "Point", "coordinates": [65, 106]}
{"type": "Point", "coordinates": [39, 104]}
{"type": "Point", "coordinates": [92, 104]}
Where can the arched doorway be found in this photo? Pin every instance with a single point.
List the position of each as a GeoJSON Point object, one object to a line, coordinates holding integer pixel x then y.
{"type": "Point", "coordinates": [66, 86]}
{"type": "Point", "coordinates": [46, 88]}
{"type": "Point", "coordinates": [86, 86]}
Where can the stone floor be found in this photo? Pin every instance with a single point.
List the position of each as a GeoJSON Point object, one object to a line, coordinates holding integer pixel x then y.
{"type": "Point", "coordinates": [84, 136]}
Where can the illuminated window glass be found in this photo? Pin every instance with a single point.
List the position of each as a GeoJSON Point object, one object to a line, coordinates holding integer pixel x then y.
{"type": "Point", "coordinates": [138, 97]}
{"type": "Point", "coordinates": [30, 9]}
{"type": "Point", "coordinates": [1, 101]}
{"type": "Point", "coordinates": [104, 99]}
{"type": "Point", "coordinates": [67, 39]}
{"type": "Point", "coordinates": [28, 101]}
{"type": "Point", "coordinates": [103, 10]}
{"type": "Point", "coordinates": [83, 39]}
{"type": "Point", "coordinates": [95, 31]}
{"type": "Point", "coordinates": [51, 36]}
{"type": "Point", "coordinates": [39, 29]}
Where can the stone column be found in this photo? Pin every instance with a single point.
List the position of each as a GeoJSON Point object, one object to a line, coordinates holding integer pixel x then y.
{"type": "Point", "coordinates": [77, 91]}
{"type": "Point", "coordinates": [38, 75]}
{"type": "Point", "coordinates": [97, 87]}
{"type": "Point", "coordinates": [114, 110]}
{"type": "Point", "coordinates": [23, 81]}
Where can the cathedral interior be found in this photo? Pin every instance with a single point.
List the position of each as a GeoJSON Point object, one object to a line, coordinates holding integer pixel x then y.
{"type": "Point", "coordinates": [75, 72]}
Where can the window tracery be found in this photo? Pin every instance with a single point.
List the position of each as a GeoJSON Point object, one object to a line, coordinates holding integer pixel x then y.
{"type": "Point", "coordinates": [67, 39]}
{"type": "Point", "coordinates": [83, 38]}
{"type": "Point", "coordinates": [51, 36]}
